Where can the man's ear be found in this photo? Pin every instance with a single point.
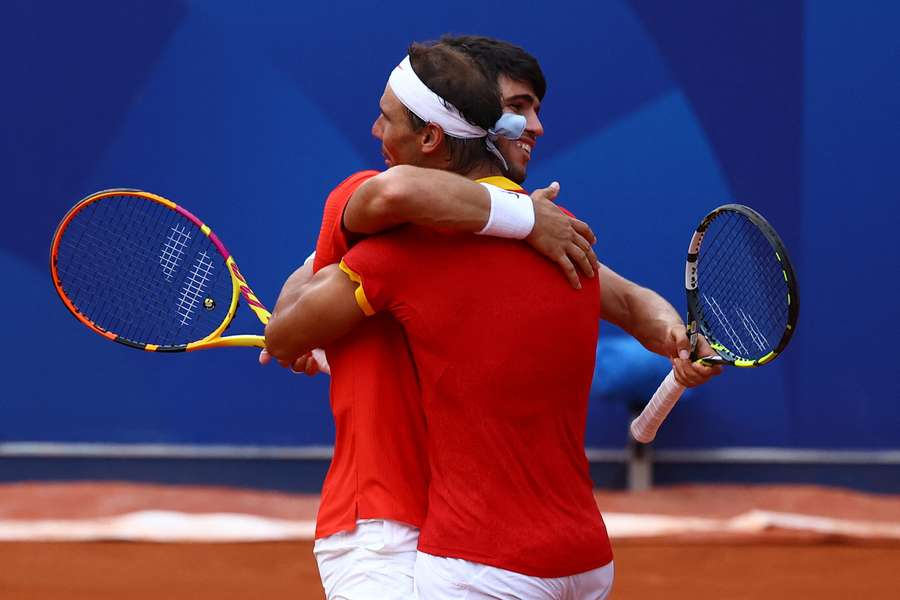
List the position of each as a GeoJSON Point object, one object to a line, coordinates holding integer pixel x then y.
{"type": "Point", "coordinates": [431, 139]}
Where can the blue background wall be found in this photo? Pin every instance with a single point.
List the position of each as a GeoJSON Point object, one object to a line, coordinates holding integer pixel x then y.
{"type": "Point", "coordinates": [248, 113]}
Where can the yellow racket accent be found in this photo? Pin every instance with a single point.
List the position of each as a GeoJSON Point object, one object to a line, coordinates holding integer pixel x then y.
{"type": "Point", "coordinates": [240, 287]}
{"type": "Point", "coordinates": [129, 207]}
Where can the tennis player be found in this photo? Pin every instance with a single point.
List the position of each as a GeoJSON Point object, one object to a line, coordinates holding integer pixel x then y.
{"type": "Point", "coordinates": [374, 496]}
{"type": "Point", "coordinates": [522, 88]}
{"type": "Point", "coordinates": [505, 417]}
{"type": "Point", "coordinates": [485, 430]}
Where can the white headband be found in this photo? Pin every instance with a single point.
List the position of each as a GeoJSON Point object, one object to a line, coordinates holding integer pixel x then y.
{"type": "Point", "coordinates": [431, 108]}
{"type": "Point", "coordinates": [427, 105]}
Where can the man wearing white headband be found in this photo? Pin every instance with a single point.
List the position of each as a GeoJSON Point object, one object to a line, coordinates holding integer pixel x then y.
{"type": "Point", "coordinates": [496, 573]}
{"type": "Point", "coordinates": [466, 282]}
{"type": "Point", "coordinates": [431, 108]}
{"type": "Point", "coordinates": [374, 497]}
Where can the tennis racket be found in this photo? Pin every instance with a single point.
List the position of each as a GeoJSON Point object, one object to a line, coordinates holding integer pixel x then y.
{"type": "Point", "coordinates": [741, 296]}
{"type": "Point", "coordinates": [140, 270]}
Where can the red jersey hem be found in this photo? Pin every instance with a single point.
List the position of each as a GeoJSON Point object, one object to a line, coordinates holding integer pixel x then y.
{"type": "Point", "coordinates": [351, 526]}
{"type": "Point", "coordinates": [521, 568]}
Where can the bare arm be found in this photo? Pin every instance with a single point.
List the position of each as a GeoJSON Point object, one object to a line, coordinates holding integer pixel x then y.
{"type": "Point", "coordinates": [427, 197]}
{"type": "Point", "coordinates": [655, 323]}
{"type": "Point", "coordinates": [325, 311]}
{"type": "Point", "coordinates": [642, 313]}
{"type": "Point", "coordinates": [293, 288]}
{"type": "Point", "coordinates": [441, 199]}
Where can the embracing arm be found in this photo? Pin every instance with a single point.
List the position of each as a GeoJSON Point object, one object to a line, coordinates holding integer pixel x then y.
{"type": "Point", "coordinates": [655, 323]}
{"type": "Point", "coordinates": [427, 197]}
{"type": "Point", "coordinates": [444, 200]}
{"type": "Point", "coordinates": [325, 311]}
{"type": "Point", "coordinates": [294, 286]}
{"type": "Point", "coordinates": [291, 291]}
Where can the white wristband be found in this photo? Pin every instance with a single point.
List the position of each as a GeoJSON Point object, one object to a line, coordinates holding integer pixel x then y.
{"type": "Point", "coordinates": [512, 214]}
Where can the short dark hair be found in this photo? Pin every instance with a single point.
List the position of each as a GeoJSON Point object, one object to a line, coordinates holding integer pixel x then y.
{"type": "Point", "coordinates": [459, 80]}
{"type": "Point", "coordinates": [497, 57]}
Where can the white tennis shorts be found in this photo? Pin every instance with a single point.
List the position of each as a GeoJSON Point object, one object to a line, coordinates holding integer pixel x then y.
{"type": "Point", "coordinates": [439, 578]}
{"type": "Point", "coordinates": [375, 561]}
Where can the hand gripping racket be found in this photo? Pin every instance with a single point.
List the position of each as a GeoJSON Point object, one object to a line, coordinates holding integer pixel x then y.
{"type": "Point", "coordinates": [140, 270]}
{"type": "Point", "coordinates": [741, 296]}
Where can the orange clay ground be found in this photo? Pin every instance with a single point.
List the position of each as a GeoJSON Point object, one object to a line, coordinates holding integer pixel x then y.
{"type": "Point", "coordinates": [776, 562]}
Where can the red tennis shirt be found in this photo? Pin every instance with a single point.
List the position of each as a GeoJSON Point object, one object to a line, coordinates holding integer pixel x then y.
{"type": "Point", "coordinates": [379, 469]}
{"type": "Point", "coordinates": [505, 351]}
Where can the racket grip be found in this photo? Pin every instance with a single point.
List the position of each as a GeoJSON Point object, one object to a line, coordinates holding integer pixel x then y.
{"type": "Point", "coordinates": [644, 427]}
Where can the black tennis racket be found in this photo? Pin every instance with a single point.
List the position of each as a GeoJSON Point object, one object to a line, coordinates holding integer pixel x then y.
{"type": "Point", "coordinates": [741, 296]}
{"type": "Point", "coordinates": [140, 270]}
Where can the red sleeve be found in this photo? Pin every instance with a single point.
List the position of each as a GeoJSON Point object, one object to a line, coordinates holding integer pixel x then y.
{"type": "Point", "coordinates": [333, 242]}
{"type": "Point", "coordinates": [370, 264]}
{"type": "Point", "coordinates": [384, 266]}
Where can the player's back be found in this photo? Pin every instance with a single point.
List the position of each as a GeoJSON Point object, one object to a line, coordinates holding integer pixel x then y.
{"type": "Point", "coordinates": [505, 352]}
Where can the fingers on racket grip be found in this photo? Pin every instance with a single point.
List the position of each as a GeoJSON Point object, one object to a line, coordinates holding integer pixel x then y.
{"type": "Point", "coordinates": [645, 426]}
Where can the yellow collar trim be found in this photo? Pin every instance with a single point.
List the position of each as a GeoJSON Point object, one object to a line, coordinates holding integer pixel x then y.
{"type": "Point", "coordinates": [502, 183]}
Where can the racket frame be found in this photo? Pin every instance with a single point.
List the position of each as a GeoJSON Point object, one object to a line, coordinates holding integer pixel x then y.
{"type": "Point", "coordinates": [725, 356]}
{"type": "Point", "coordinates": [239, 283]}
{"type": "Point", "coordinates": [643, 428]}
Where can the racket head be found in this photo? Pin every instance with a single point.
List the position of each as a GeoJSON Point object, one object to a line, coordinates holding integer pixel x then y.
{"type": "Point", "coordinates": [140, 270]}
{"type": "Point", "coordinates": [741, 287]}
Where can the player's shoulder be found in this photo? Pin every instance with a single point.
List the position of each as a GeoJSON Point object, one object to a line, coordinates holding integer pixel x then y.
{"type": "Point", "coordinates": [357, 178]}
{"type": "Point", "coordinates": [410, 241]}
{"type": "Point", "coordinates": [345, 189]}
{"type": "Point", "coordinates": [396, 237]}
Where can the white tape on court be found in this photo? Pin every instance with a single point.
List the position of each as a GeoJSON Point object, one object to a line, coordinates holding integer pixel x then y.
{"type": "Point", "coordinates": [624, 525]}
{"type": "Point", "coordinates": [160, 526]}
{"type": "Point", "coordinates": [169, 526]}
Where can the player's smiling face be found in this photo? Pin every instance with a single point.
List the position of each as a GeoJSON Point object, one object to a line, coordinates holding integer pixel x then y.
{"type": "Point", "coordinates": [399, 143]}
{"type": "Point", "coordinates": [519, 97]}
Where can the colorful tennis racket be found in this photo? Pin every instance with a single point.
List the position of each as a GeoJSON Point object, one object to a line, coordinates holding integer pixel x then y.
{"type": "Point", "coordinates": [140, 270]}
{"type": "Point", "coordinates": [741, 296]}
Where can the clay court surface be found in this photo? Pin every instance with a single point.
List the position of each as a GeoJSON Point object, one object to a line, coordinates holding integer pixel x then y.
{"type": "Point", "coordinates": [712, 542]}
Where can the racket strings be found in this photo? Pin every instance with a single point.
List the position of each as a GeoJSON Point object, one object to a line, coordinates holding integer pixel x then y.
{"type": "Point", "coordinates": [108, 246]}
{"type": "Point", "coordinates": [741, 288]}
{"type": "Point", "coordinates": [153, 328]}
{"type": "Point", "coordinates": [126, 264]}
{"type": "Point", "coordinates": [738, 287]}
{"type": "Point", "coordinates": [91, 283]}
{"type": "Point", "coordinates": [104, 303]}
{"type": "Point", "coordinates": [97, 282]}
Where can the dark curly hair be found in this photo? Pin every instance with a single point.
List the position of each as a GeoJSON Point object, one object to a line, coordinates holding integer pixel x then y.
{"type": "Point", "coordinates": [497, 57]}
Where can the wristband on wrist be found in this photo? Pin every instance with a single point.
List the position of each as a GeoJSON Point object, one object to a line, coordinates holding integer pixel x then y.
{"type": "Point", "coordinates": [512, 214]}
